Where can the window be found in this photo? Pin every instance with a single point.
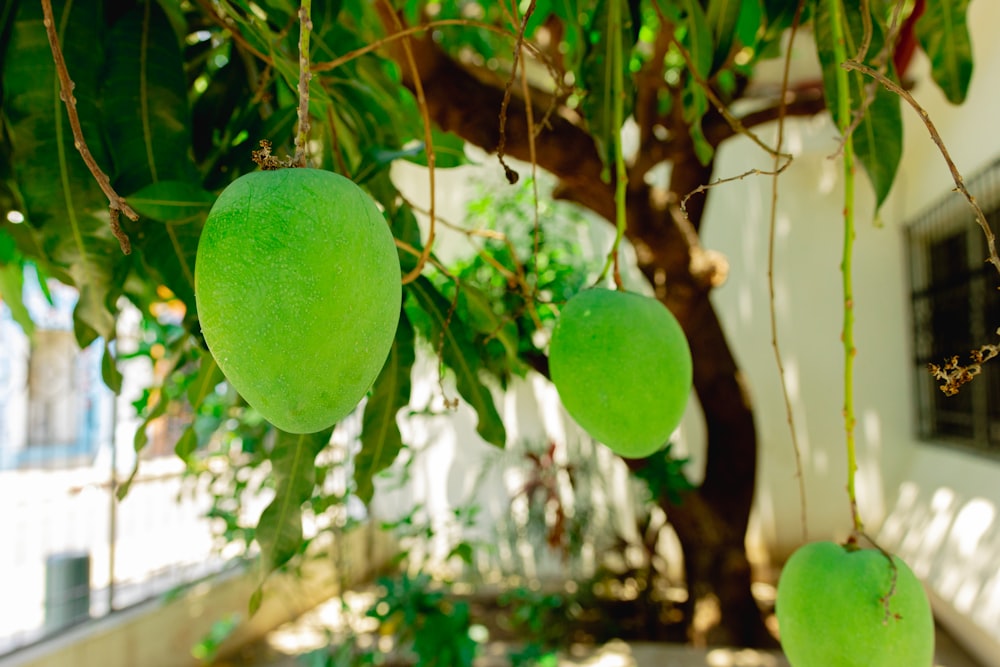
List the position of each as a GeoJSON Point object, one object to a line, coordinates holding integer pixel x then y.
{"type": "Point", "coordinates": [956, 308]}
{"type": "Point", "coordinates": [54, 408]}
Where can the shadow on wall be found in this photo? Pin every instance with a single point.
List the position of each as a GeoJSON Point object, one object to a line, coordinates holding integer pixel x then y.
{"type": "Point", "coordinates": [952, 542]}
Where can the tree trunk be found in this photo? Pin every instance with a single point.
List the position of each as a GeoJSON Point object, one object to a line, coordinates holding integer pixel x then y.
{"type": "Point", "coordinates": [711, 521]}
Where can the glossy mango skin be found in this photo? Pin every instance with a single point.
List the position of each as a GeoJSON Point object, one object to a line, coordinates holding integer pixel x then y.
{"type": "Point", "coordinates": [297, 284]}
{"type": "Point", "coordinates": [831, 610]}
{"type": "Point", "coordinates": [622, 366]}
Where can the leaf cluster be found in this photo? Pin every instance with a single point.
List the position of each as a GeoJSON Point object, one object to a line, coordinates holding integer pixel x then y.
{"type": "Point", "coordinates": [173, 98]}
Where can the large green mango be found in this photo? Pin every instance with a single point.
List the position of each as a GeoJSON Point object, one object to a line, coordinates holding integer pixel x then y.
{"type": "Point", "coordinates": [622, 366]}
{"type": "Point", "coordinates": [297, 284]}
{"type": "Point", "coordinates": [841, 606]}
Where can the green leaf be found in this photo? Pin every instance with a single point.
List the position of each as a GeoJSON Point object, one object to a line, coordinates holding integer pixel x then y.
{"type": "Point", "coordinates": [459, 354]}
{"type": "Point", "coordinates": [449, 151]}
{"type": "Point", "coordinates": [597, 77]}
{"type": "Point", "coordinates": [944, 36]}
{"type": "Point", "coordinates": [279, 530]}
{"type": "Point", "coordinates": [398, 212]}
{"type": "Point", "coordinates": [11, 293]}
{"type": "Point", "coordinates": [664, 476]}
{"type": "Point", "coordinates": [698, 42]}
{"type": "Point", "coordinates": [141, 438]}
{"type": "Point", "coordinates": [750, 23]}
{"type": "Point", "coordinates": [109, 370]}
{"type": "Point", "coordinates": [198, 390]}
{"type": "Point", "coordinates": [65, 208]}
{"type": "Point", "coordinates": [721, 16]}
{"type": "Point", "coordinates": [779, 16]}
{"type": "Point", "coordinates": [878, 138]}
{"type": "Point", "coordinates": [145, 92]}
{"type": "Point", "coordinates": [255, 599]}
{"type": "Point", "coordinates": [12, 283]}
{"type": "Point", "coordinates": [172, 201]}
{"type": "Point", "coordinates": [698, 37]}
{"type": "Point", "coordinates": [141, 435]}
{"type": "Point", "coordinates": [187, 444]}
{"type": "Point", "coordinates": [380, 437]}
{"type": "Point", "coordinates": [209, 377]}
{"type": "Point", "coordinates": [490, 326]}
{"type": "Point", "coordinates": [169, 250]}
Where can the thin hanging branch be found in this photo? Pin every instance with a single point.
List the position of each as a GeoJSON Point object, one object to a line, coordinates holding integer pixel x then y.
{"type": "Point", "coordinates": [621, 175]}
{"type": "Point", "coordinates": [893, 87]}
{"type": "Point", "coordinates": [210, 10]}
{"type": "Point", "coordinates": [838, 27]}
{"type": "Point", "coordinates": [305, 75]}
{"type": "Point", "coordinates": [511, 175]}
{"type": "Point", "coordinates": [735, 123]}
{"type": "Point", "coordinates": [771, 294]}
{"type": "Point", "coordinates": [418, 87]}
{"type": "Point", "coordinates": [116, 203]}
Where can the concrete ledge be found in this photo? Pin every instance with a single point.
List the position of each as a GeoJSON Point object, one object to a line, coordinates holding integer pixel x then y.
{"type": "Point", "coordinates": [974, 640]}
{"type": "Point", "coordinates": [161, 633]}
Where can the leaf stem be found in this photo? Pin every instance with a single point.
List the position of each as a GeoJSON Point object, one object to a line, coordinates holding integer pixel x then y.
{"type": "Point", "coordinates": [893, 87]}
{"type": "Point", "coordinates": [116, 203]}
{"type": "Point", "coordinates": [425, 115]}
{"type": "Point", "coordinates": [771, 293]}
{"type": "Point", "coordinates": [843, 116]}
{"type": "Point", "coordinates": [305, 75]}
{"type": "Point", "coordinates": [618, 119]}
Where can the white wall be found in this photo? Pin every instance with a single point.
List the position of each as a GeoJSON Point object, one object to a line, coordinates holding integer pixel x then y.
{"type": "Point", "coordinates": [944, 516]}
{"type": "Point", "coordinates": [935, 506]}
{"type": "Point", "coordinates": [809, 313]}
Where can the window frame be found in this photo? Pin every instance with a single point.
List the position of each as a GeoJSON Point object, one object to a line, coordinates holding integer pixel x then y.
{"type": "Point", "coordinates": [949, 218]}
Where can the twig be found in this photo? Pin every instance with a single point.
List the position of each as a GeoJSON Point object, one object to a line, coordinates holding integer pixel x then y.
{"type": "Point", "coordinates": [418, 88]}
{"type": "Point", "coordinates": [868, 30]}
{"type": "Point", "coordinates": [116, 203]}
{"type": "Point", "coordinates": [430, 25]}
{"type": "Point", "coordinates": [893, 87]}
{"type": "Point", "coordinates": [739, 177]}
{"type": "Point", "coordinates": [509, 173]}
{"type": "Point", "coordinates": [838, 28]}
{"type": "Point", "coordinates": [238, 37]}
{"type": "Point", "coordinates": [450, 403]}
{"type": "Point", "coordinates": [536, 231]}
{"type": "Point", "coordinates": [772, 299]}
{"type": "Point", "coordinates": [515, 278]}
{"type": "Point", "coordinates": [893, 577]}
{"type": "Point", "coordinates": [305, 74]}
{"type": "Point", "coordinates": [881, 61]}
{"type": "Point", "coordinates": [720, 106]}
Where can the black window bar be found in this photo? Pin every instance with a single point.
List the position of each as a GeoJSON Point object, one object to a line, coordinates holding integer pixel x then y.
{"type": "Point", "coordinates": [955, 309]}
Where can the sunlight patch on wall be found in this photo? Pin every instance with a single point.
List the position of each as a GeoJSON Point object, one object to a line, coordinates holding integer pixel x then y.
{"type": "Point", "coordinates": [952, 542]}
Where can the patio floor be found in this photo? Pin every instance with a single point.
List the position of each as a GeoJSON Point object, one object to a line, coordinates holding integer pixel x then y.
{"type": "Point", "coordinates": [283, 646]}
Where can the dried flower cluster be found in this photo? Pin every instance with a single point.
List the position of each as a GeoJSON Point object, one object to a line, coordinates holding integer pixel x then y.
{"type": "Point", "coordinates": [953, 375]}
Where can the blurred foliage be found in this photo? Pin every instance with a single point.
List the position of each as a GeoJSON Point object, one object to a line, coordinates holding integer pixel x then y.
{"type": "Point", "coordinates": [174, 96]}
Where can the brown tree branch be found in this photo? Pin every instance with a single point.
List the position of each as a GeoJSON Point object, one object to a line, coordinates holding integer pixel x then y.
{"type": "Point", "coordinates": [116, 203]}
{"type": "Point", "coordinates": [561, 147]}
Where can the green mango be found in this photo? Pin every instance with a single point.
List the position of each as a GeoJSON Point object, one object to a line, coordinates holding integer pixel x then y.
{"type": "Point", "coordinates": [841, 606]}
{"type": "Point", "coordinates": [297, 284]}
{"type": "Point", "coordinates": [622, 367]}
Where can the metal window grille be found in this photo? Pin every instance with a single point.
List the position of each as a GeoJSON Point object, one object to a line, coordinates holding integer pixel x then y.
{"type": "Point", "coordinates": [956, 308]}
